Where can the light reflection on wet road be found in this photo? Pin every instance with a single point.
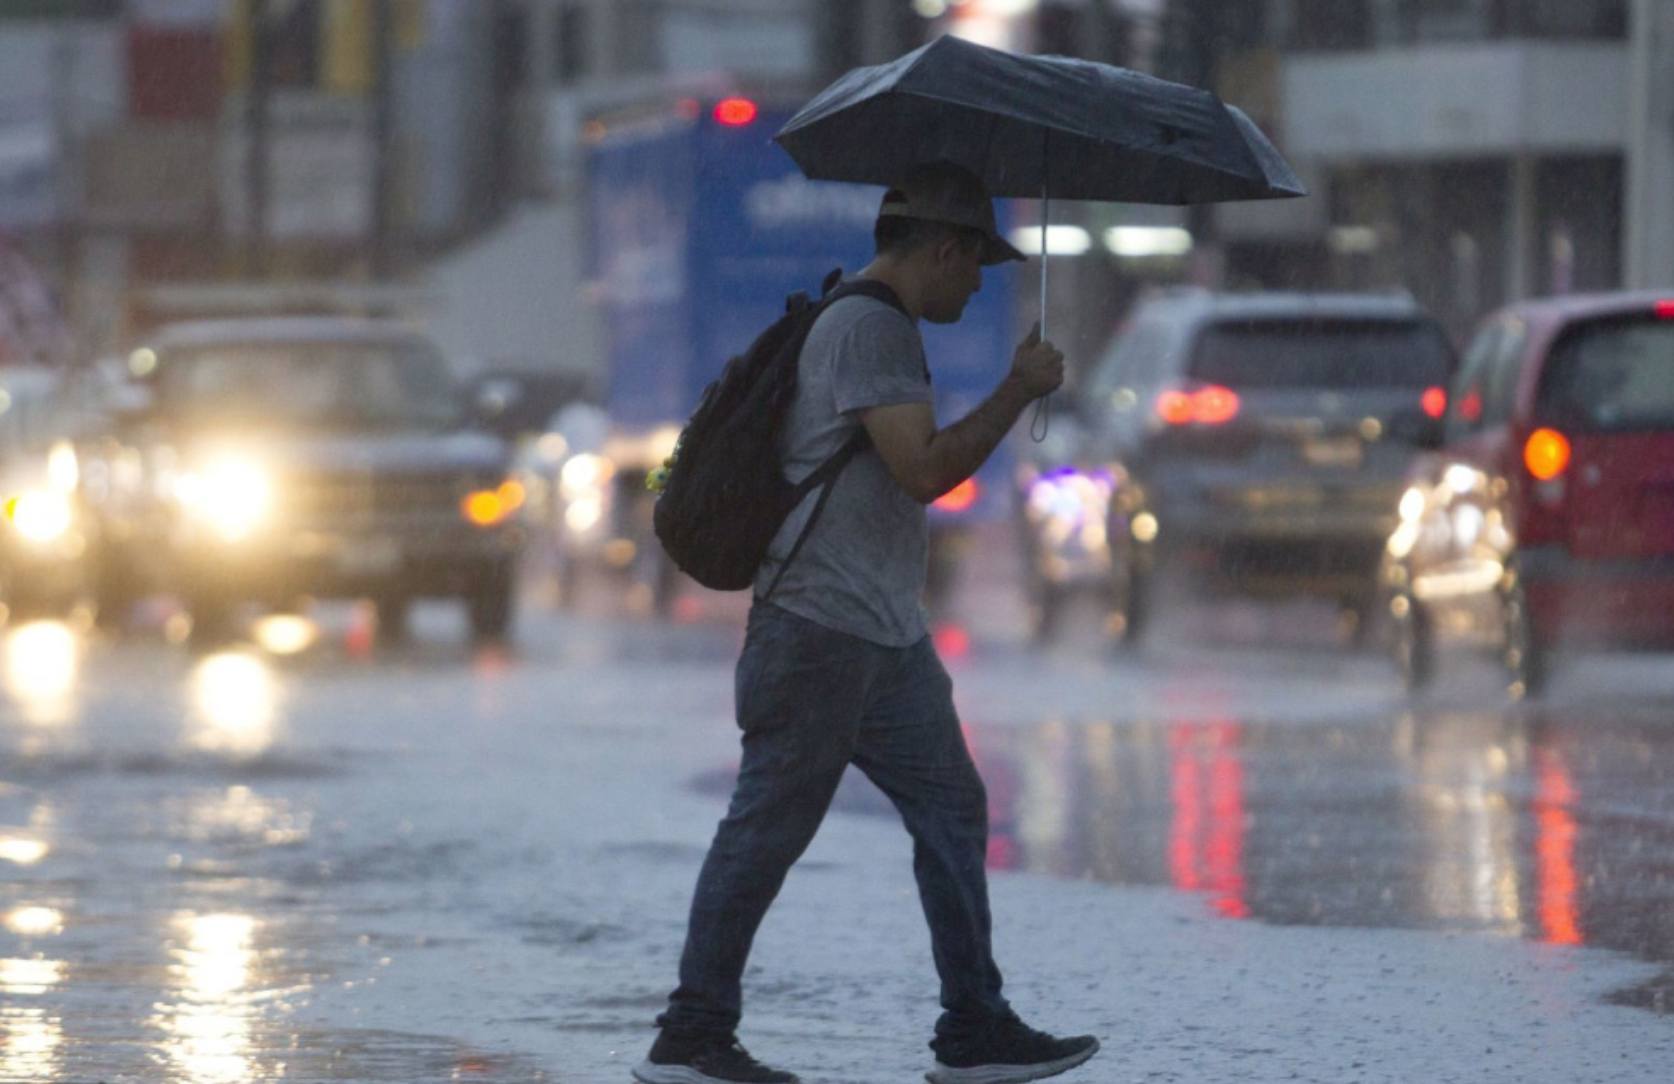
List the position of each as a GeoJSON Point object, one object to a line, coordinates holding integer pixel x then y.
{"type": "Point", "coordinates": [157, 919]}
{"type": "Point", "coordinates": [173, 866]}
{"type": "Point", "coordinates": [1556, 829]}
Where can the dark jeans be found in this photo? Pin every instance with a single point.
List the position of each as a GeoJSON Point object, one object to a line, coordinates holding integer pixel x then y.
{"type": "Point", "coordinates": [810, 702]}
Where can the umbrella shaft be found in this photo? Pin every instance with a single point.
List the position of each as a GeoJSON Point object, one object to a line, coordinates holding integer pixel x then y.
{"type": "Point", "coordinates": [1045, 209]}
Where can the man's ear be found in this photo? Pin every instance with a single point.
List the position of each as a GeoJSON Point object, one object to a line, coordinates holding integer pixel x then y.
{"type": "Point", "coordinates": [950, 247]}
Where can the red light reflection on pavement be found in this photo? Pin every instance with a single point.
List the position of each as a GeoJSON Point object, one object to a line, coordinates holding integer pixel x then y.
{"type": "Point", "coordinates": [687, 610]}
{"type": "Point", "coordinates": [1556, 885]}
{"type": "Point", "coordinates": [1206, 838]}
{"type": "Point", "coordinates": [952, 641]}
{"type": "Point", "coordinates": [1004, 849]}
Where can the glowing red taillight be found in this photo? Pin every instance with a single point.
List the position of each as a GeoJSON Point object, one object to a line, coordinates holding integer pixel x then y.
{"type": "Point", "coordinates": [1433, 402]}
{"type": "Point", "coordinates": [1664, 309]}
{"type": "Point", "coordinates": [735, 112]}
{"type": "Point", "coordinates": [1546, 454]}
{"type": "Point", "coordinates": [1215, 405]}
{"type": "Point", "coordinates": [1211, 405]}
{"type": "Point", "coordinates": [1174, 407]}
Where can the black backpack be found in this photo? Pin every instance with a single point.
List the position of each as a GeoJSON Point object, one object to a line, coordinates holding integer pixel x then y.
{"type": "Point", "coordinates": [725, 494]}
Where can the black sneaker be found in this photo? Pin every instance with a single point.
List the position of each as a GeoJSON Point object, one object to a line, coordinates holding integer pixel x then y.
{"type": "Point", "coordinates": [1008, 1053]}
{"type": "Point", "coordinates": [677, 1058]}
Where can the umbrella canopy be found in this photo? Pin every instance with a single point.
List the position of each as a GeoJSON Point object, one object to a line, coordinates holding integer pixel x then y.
{"type": "Point", "coordinates": [1036, 126]}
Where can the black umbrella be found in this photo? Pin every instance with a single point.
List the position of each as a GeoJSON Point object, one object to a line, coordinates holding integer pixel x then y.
{"type": "Point", "coordinates": [1036, 126]}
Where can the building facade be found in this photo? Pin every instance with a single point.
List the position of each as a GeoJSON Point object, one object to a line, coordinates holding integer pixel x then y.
{"type": "Point", "coordinates": [1480, 151]}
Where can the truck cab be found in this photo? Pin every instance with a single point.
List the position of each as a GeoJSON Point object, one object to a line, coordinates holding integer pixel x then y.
{"type": "Point", "coordinates": [270, 459]}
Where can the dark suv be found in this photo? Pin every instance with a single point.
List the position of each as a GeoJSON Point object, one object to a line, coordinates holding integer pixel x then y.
{"type": "Point", "coordinates": [277, 458]}
{"type": "Point", "coordinates": [1256, 441]}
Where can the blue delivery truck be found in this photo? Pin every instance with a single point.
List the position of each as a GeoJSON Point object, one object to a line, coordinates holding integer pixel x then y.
{"type": "Point", "coordinates": [700, 227]}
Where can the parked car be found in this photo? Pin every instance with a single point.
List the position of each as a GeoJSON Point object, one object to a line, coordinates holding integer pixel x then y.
{"type": "Point", "coordinates": [44, 532]}
{"type": "Point", "coordinates": [1547, 517]}
{"type": "Point", "coordinates": [277, 458]}
{"type": "Point", "coordinates": [1255, 443]}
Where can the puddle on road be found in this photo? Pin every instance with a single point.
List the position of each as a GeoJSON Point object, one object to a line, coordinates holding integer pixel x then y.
{"type": "Point", "coordinates": [1554, 829]}
{"type": "Point", "coordinates": [1557, 829]}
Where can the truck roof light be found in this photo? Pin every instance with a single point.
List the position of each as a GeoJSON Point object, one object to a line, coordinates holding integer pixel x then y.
{"type": "Point", "coordinates": [735, 112]}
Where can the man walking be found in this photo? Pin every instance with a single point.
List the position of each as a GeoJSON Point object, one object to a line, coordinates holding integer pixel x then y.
{"type": "Point", "coordinates": [838, 666]}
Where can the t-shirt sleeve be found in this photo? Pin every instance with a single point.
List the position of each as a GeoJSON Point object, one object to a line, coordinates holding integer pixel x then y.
{"type": "Point", "coordinates": [879, 361]}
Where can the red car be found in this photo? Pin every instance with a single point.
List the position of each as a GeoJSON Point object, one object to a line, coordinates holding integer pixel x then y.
{"type": "Point", "coordinates": [1547, 517]}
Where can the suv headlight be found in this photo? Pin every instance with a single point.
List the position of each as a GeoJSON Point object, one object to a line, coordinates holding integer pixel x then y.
{"type": "Point", "coordinates": [40, 515]}
{"type": "Point", "coordinates": [232, 496]}
{"type": "Point", "coordinates": [584, 486]}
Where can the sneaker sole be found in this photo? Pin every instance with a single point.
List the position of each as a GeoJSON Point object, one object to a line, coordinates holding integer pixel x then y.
{"type": "Point", "coordinates": [648, 1072]}
{"type": "Point", "coordinates": [1006, 1074]}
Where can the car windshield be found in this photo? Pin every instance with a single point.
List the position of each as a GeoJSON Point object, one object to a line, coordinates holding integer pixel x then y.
{"type": "Point", "coordinates": [375, 385]}
{"type": "Point", "coordinates": [1321, 353]}
{"type": "Point", "coordinates": [1611, 375]}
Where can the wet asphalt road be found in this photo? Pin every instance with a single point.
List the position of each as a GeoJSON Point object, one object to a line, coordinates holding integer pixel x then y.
{"type": "Point", "coordinates": [193, 844]}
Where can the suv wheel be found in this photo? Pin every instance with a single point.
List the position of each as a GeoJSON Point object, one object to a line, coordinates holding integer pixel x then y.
{"type": "Point", "coordinates": [113, 591]}
{"type": "Point", "coordinates": [212, 618]}
{"type": "Point", "coordinates": [392, 616]}
{"type": "Point", "coordinates": [1132, 586]}
{"type": "Point", "coordinates": [1046, 611]}
{"type": "Point", "coordinates": [491, 601]}
{"type": "Point", "coordinates": [1523, 654]}
{"type": "Point", "coordinates": [1131, 609]}
{"type": "Point", "coordinates": [1415, 642]}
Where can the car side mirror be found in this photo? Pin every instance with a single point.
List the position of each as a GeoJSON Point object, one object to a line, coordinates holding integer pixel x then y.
{"type": "Point", "coordinates": [130, 403]}
{"type": "Point", "coordinates": [490, 403]}
{"type": "Point", "coordinates": [1413, 426]}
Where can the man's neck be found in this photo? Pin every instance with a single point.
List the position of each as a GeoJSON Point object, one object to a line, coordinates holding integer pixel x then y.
{"type": "Point", "coordinates": [901, 278]}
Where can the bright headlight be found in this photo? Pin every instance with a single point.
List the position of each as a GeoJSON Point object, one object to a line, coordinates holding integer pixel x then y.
{"type": "Point", "coordinates": [584, 474]}
{"type": "Point", "coordinates": [41, 515]}
{"type": "Point", "coordinates": [233, 496]}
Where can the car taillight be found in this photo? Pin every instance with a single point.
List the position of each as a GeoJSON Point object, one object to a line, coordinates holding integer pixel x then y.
{"type": "Point", "coordinates": [960, 497]}
{"type": "Point", "coordinates": [1433, 402]}
{"type": "Point", "coordinates": [735, 112]}
{"type": "Point", "coordinates": [1211, 405]}
{"type": "Point", "coordinates": [1546, 454]}
{"type": "Point", "coordinates": [1664, 309]}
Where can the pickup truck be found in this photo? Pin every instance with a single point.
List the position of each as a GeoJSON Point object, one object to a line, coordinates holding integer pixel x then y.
{"type": "Point", "coordinates": [271, 459]}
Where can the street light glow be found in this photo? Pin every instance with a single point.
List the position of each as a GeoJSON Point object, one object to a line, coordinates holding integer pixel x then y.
{"type": "Point", "coordinates": [1140, 241]}
{"type": "Point", "coordinates": [1060, 240]}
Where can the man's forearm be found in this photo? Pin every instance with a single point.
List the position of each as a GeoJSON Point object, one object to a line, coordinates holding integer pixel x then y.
{"type": "Point", "coordinates": [958, 450]}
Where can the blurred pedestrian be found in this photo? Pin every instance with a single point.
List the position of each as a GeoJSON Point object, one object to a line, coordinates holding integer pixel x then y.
{"type": "Point", "coordinates": [838, 666]}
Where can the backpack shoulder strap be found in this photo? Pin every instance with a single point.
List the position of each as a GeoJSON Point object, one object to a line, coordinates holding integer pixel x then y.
{"type": "Point", "coordinates": [824, 477]}
{"type": "Point", "coordinates": [872, 288]}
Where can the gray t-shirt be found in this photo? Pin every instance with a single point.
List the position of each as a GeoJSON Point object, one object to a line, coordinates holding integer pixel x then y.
{"type": "Point", "coordinates": [862, 569]}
